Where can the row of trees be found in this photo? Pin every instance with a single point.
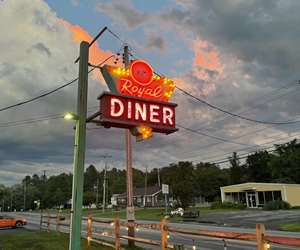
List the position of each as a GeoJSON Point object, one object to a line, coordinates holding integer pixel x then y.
{"type": "Point", "coordinates": [186, 179]}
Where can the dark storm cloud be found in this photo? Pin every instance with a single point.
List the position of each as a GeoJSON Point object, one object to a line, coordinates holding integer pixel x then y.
{"type": "Point", "coordinates": [40, 47]}
{"type": "Point", "coordinates": [124, 12]}
{"type": "Point", "coordinates": [264, 32]}
{"type": "Point", "coordinates": [155, 41]}
{"type": "Point", "coordinates": [56, 151]}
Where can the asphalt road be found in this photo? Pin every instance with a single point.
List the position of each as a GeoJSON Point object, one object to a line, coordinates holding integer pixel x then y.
{"type": "Point", "coordinates": [249, 218]}
{"type": "Point", "coordinates": [203, 243]}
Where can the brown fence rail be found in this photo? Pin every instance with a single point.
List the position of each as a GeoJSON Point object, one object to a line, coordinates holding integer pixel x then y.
{"type": "Point", "coordinates": [262, 240]}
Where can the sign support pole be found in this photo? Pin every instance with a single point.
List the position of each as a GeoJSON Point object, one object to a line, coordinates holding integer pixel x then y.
{"type": "Point", "coordinates": [79, 149]}
{"type": "Point", "coordinates": [129, 181]}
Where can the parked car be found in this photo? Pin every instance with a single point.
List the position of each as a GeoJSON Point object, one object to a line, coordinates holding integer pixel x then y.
{"type": "Point", "coordinates": [179, 211]}
{"type": "Point", "coordinates": [191, 214]}
{"type": "Point", "coordinates": [7, 221]}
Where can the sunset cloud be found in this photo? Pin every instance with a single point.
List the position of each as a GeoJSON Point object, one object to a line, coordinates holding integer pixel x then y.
{"type": "Point", "coordinates": [96, 54]}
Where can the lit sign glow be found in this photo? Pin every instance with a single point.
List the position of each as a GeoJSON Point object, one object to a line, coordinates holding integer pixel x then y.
{"type": "Point", "coordinates": [138, 81]}
{"type": "Point", "coordinates": [127, 112]}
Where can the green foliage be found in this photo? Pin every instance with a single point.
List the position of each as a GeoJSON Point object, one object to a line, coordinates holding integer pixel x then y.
{"type": "Point", "coordinates": [277, 205]}
{"type": "Point", "coordinates": [208, 178]}
{"type": "Point", "coordinates": [180, 177]}
{"type": "Point", "coordinates": [258, 168]}
{"type": "Point", "coordinates": [227, 205]}
{"type": "Point", "coordinates": [292, 227]}
{"type": "Point", "coordinates": [32, 240]}
{"type": "Point", "coordinates": [187, 180]}
{"type": "Point", "coordinates": [236, 171]}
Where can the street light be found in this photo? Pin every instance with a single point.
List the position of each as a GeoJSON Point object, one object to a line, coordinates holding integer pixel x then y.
{"type": "Point", "coordinates": [70, 116]}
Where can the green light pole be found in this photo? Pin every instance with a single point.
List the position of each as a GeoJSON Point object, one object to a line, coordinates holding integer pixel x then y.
{"type": "Point", "coordinates": [79, 149]}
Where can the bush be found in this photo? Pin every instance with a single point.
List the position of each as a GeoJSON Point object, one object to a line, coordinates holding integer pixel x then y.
{"type": "Point", "coordinates": [277, 205]}
{"type": "Point", "coordinates": [219, 204]}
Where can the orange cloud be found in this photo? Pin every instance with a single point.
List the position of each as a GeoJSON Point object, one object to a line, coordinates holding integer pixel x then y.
{"type": "Point", "coordinates": [207, 65]}
{"type": "Point", "coordinates": [206, 56]}
{"type": "Point", "coordinates": [96, 55]}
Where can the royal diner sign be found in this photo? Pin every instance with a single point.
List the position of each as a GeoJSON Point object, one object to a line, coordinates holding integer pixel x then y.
{"type": "Point", "coordinates": [137, 97]}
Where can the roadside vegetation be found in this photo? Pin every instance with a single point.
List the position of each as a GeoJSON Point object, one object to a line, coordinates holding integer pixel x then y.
{"type": "Point", "coordinates": [292, 227]}
{"type": "Point", "coordinates": [154, 214]}
{"type": "Point", "coordinates": [32, 240]}
{"type": "Point", "coordinates": [187, 180]}
{"type": "Point", "coordinates": [277, 205]}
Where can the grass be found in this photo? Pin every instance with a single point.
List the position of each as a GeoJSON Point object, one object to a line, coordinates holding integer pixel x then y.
{"type": "Point", "coordinates": [33, 240]}
{"type": "Point", "coordinates": [293, 227]}
{"type": "Point", "coordinates": [145, 214]}
{"type": "Point", "coordinates": [149, 213]}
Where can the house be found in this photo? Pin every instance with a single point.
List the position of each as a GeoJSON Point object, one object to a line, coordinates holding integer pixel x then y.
{"type": "Point", "coordinates": [258, 194]}
{"type": "Point", "coordinates": [142, 197]}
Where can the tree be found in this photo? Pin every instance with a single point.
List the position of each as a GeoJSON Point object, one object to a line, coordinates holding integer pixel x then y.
{"type": "Point", "coordinates": [180, 178]}
{"type": "Point", "coordinates": [236, 170]}
{"type": "Point", "coordinates": [90, 178]}
{"type": "Point", "coordinates": [89, 198]}
{"type": "Point", "coordinates": [258, 167]}
{"type": "Point", "coordinates": [208, 180]}
{"type": "Point", "coordinates": [285, 163]}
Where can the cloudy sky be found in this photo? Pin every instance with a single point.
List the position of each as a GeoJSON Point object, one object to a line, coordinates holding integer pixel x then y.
{"type": "Point", "coordinates": [241, 55]}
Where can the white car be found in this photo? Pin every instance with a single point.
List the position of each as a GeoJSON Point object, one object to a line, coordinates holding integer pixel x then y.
{"type": "Point", "coordinates": [179, 211]}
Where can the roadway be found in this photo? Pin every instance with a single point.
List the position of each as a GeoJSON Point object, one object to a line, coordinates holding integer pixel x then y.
{"type": "Point", "coordinates": [203, 243]}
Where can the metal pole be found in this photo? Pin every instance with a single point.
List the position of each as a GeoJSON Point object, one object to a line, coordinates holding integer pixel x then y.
{"type": "Point", "coordinates": [158, 177]}
{"type": "Point", "coordinates": [24, 201]}
{"type": "Point", "coordinates": [11, 201]}
{"type": "Point", "coordinates": [166, 205]}
{"type": "Point", "coordinates": [130, 207]}
{"type": "Point", "coordinates": [79, 149]}
{"type": "Point", "coordinates": [104, 188]}
{"type": "Point", "coordinates": [145, 194]}
{"type": "Point", "coordinates": [97, 191]}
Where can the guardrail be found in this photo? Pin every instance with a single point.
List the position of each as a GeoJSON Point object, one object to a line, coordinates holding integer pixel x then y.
{"type": "Point", "coordinates": [113, 233]}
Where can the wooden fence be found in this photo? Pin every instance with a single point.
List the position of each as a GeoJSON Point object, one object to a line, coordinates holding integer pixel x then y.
{"type": "Point", "coordinates": [113, 234]}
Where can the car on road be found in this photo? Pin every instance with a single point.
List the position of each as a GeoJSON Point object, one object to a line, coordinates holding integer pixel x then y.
{"type": "Point", "coordinates": [179, 212]}
{"type": "Point", "coordinates": [10, 222]}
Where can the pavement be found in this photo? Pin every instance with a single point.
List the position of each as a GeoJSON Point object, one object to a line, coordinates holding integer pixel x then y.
{"type": "Point", "coordinates": [203, 243]}
{"type": "Point", "coordinates": [250, 217]}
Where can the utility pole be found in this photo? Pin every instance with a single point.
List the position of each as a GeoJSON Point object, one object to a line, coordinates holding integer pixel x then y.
{"type": "Point", "coordinates": [11, 200]}
{"type": "Point", "coordinates": [130, 208]}
{"type": "Point", "coordinates": [145, 198]}
{"type": "Point", "coordinates": [104, 188]}
{"type": "Point", "coordinates": [24, 198]}
{"type": "Point", "coordinates": [97, 190]}
{"type": "Point", "coordinates": [44, 174]}
{"type": "Point", "coordinates": [105, 157]}
{"type": "Point", "coordinates": [158, 177]}
{"type": "Point", "coordinates": [79, 149]}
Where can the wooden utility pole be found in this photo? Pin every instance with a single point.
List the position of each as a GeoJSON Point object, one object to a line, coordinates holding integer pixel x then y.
{"type": "Point", "coordinates": [158, 177]}
{"type": "Point", "coordinates": [128, 144]}
{"type": "Point", "coordinates": [104, 188]}
{"type": "Point", "coordinates": [105, 157]}
{"type": "Point", "coordinates": [260, 232]}
{"type": "Point", "coordinates": [145, 194]}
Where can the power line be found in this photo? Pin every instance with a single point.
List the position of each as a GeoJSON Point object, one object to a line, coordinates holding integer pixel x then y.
{"type": "Point", "coordinates": [233, 114]}
{"type": "Point", "coordinates": [35, 120]}
{"type": "Point", "coordinates": [54, 90]}
{"type": "Point", "coordinates": [211, 136]}
{"type": "Point", "coordinates": [271, 93]}
{"type": "Point", "coordinates": [279, 139]}
{"type": "Point", "coordinates": [218, 108]}
{"type": "Point", "coordinates": [39, 96]}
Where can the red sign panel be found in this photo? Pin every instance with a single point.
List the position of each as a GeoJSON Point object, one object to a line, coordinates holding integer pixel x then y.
{"type": "Point", "coordinates": [139, 81]}
{"type": "Point", "coordinates": [127, 112]}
